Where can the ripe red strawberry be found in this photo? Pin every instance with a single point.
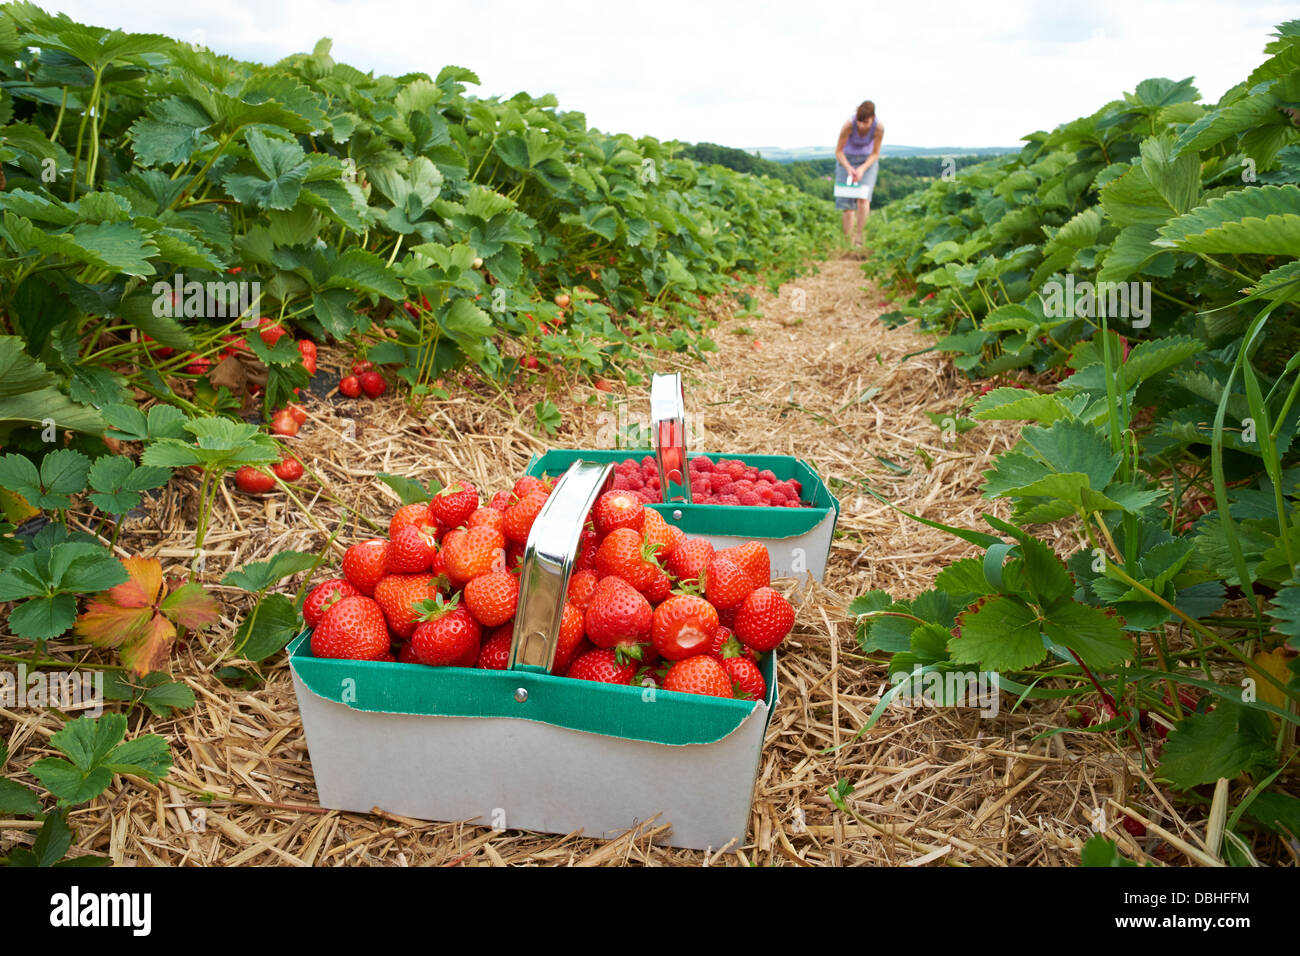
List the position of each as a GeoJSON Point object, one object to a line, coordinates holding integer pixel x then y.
{"type": "Point", "coordinates": [588, 544]}
{"type": "Point", "coordinates": [297, 413]}
{"type": "Point", "coordinates": [494, 655]}
{"type": "Point", "coordinates": [747, 680]}
{"type": "Point", "coordinates": [617, 509]}
{"type": "Point", "coordinates": [283, 423]}
{"type": "Point", "coordinates": [621, 554]}
{"type": "Point", "coordinates": [753, 557]}
{"type": "Point", "coordinates": [253, 481]}
{"type": "Point", "coordinates": [471, 552]}
{"type": "Point", "coordinates": [406, 654]}
{"type": "Point", "coordinates": [500, 501]}
{"type": "Point", "coordinates": [270, 331]}
{"type": "Point", "coordinates": [527, 485]}
{"type": "Point", "coordinates": [409, 516]}
{"type": "Point", "coordinates": [362, 365]}
{"type": "Point", "coordinates": [572, 634]}
{"type": "Point", "coordinates": [764, 619]}
{"type": "Point", "coordinates": [353, 629]}
{"type": "Point", "coordinates": [617, 614]}
{"type": "Point", "coordinates": [487, 517]}
{"type": "Point", "coordinates": [519, 517]}
{"type": "Point", "coordinates": [350, 386]}
{"type": "Point", "coordinates": [726, 584]}
{"type": "Point", "coordinates": [323, 597]}
{"type": "Point", "coordinates": [289, 469]}
{"type": "Point", "coordinates": [447, 637]}
{"type": "Point", "coordinates": [683, 627]}
{"type": "Point", "coordinates": [698, 675]}
{"type": "Point", "coordinates": [492, 598]}
{"type": "Point", "coordinates": [657, 535]}
{"type": "Point", "coordinates": [372, 383]}
{"type": "Point", "coordinates": [581, 585]}
{"type": "Point", "coordinates": [454, 504]}
{"type": "Point", "coordinates": [689, 559]}
{"type": "Point", "coordinates": [308, 350]}
{"type": "Point", "coordinates": [660, 586]}
{"type": "Point", "coordinates": [365, 563]}
{"type": "Point", "coordinates": [399, 597]}
{"type": "Point", "coordinates": [601, 665]}
{"type": "Point", "coordinates": [411, 550]}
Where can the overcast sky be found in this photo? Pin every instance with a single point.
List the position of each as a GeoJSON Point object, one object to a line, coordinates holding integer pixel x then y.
{"type": "Point", "coordinates": [757, 74]}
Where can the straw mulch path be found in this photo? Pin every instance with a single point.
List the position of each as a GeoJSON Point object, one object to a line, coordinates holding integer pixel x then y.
{"type": "Point", "coordinates": [814, 376]}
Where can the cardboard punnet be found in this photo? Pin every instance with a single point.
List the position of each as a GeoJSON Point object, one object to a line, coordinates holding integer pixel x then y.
{"type": "Point", "coordinates": [451, 743]}
{"type": "Point", "coordinates": [797, 539]}
{"type": "Point", "coordinates": [522, 748]}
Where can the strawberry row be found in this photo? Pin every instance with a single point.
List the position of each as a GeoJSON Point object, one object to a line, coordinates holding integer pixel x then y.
{"type": "Point", "coordinates": [645, 603]}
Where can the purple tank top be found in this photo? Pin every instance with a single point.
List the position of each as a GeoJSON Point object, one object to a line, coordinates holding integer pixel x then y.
{"type": "Point", "coordinates": [860, 144]}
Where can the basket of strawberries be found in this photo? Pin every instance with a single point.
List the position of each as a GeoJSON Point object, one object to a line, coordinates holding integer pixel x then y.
{"type": "Point", "coordinates": [777, 500]}
{"type": "Point", "coordinates": [559, 659]}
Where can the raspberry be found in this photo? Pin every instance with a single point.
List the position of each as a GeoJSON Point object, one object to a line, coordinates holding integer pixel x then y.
{"type": "Point", "coordinates": [749, 499]}
{"type": "Point", "coordinates": [766, 475]}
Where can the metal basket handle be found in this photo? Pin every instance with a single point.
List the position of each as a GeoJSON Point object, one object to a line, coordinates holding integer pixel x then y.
{"type": "Point", "coordinates": [668, 421]}
{"type": "Point", "coordinates": [549, 556]}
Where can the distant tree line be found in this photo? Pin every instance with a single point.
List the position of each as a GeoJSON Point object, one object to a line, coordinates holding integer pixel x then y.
{"type": "Point", "coordinates": [899, 175]}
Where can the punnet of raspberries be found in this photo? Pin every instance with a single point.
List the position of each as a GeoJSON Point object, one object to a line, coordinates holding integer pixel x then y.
{"type": "Point", "coordinates": [726, 481]}
{"type": "Point", "coordinates": [645, 606]}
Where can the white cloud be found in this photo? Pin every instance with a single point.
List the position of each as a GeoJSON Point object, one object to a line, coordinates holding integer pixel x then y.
{"type": "Point", "coordinates": [759, 73]}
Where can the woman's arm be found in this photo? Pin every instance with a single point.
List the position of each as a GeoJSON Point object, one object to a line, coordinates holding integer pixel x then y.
{"type": "Point", "coordinates": [839, 148]}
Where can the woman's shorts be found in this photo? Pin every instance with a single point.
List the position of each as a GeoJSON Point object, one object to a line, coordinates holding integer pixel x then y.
{"type": "Point", "coordinates": [842, 178]}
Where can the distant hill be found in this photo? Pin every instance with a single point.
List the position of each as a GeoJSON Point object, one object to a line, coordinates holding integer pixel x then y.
{"type": "Point", "coordinates": [815, 173]}
{"type": "Point", "coordinates": [779, 154]}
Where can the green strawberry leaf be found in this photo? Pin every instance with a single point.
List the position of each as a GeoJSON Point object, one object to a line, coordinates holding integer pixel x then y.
{"type": "Point", "coordinates": [1000, 634]}
{"type": "Point", "coordinates": [260, 575]}
{"type": "Point", "coordinates": [1228, 741]}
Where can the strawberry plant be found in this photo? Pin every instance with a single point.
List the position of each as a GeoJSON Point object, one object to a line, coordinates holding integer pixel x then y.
{"type": "Point", "coordinates": [1124, 259]}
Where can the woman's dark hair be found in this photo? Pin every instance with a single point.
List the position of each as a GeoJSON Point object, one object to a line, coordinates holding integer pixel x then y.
{"type": "Point", "coordinates": [866, 110]}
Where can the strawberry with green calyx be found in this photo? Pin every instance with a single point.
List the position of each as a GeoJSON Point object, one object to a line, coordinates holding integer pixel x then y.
{"type": "Point", "coordinates": [622, 554]}
{"type": "Point", "coordinates": [725, 644]}
{"type": "Point", "coordinates": [698, 675]}
{"type": "Point", "coordinates": [411, 550]}
{"type": "Point", "coordinates": [365, 563]}
{"type": "Point", "coordinates": [401, 596]}
{"type": "Point", "coordinates": [601, 665]}
{"type": "Point", "coordinates": [764, 619]}
{"type": "Point", "coordinates": [746, 679]}
{"type": "Point", "coordinates": [453, 505]}
{"type": "Point", "coordinates": [352, 629]}
{"type": "Point", "coordinates": [323, 597]}
{"type": "Point", "coordinates": [409, 516]}
{"type": "Point", "coordinates": [447, 634]}
{"type": "Point", "coordinates": [618, 614]}
{"type": "Point", "coordinates": [688, 560]}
